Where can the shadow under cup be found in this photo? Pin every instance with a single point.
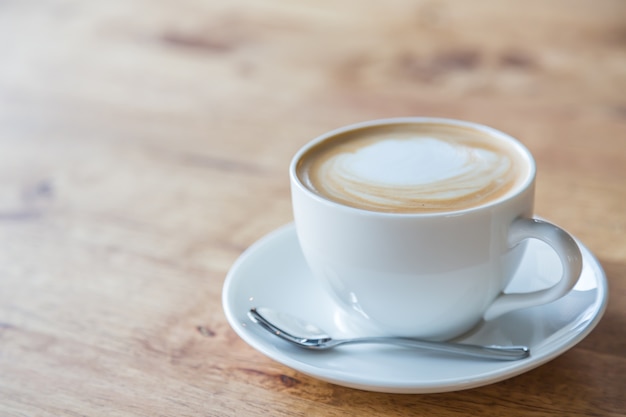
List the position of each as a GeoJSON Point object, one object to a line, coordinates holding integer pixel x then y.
{"type": "Point", "coordinates": [421, 263]}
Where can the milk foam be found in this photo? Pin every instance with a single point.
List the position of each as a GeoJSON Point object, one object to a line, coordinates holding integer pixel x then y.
{"type": "Point", "coordinates": [418, 171]}
{"type": "Point", "coordinates": [416, 161]}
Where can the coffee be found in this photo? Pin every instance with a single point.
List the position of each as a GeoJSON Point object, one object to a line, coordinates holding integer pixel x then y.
{"type": "Point", "coordinates": [464, 193]}
{"type": "Point", "coordinates": [413, 168]}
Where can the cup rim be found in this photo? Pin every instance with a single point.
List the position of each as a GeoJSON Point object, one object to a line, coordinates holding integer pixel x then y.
{"type": "Point", "coordinates": [521, 148]}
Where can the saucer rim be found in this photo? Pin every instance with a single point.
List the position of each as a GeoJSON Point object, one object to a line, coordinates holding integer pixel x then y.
{"type": "Point", "coordinates": [338, 377]}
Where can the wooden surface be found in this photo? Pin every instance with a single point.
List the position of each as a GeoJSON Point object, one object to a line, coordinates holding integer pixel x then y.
{"type": "Point", "coordinates": [144, 145]}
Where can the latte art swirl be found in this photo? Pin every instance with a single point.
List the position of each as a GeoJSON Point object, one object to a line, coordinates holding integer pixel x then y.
{"type": "Point", "coordinates": [423, 173]}
{"type": "Point", "coordinates": [412, 169]}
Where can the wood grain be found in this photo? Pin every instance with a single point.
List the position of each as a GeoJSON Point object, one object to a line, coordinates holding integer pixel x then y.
{"type": "Point", "coordinates": [144, 145]}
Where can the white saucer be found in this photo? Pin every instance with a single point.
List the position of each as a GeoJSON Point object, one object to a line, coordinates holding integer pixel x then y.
{"type": "Point", "coordinates": [272, 273]}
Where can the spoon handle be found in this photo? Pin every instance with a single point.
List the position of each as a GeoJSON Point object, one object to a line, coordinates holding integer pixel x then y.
{"type": "Point", "coordinates": [510, 353]}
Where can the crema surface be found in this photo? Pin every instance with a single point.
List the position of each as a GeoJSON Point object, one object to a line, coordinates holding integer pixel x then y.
{"type": "Point", "coordinates": [412, 168]}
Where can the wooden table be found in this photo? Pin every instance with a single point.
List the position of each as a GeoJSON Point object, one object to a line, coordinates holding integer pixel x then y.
{"type": "Point", "coordinates": [144, 145]}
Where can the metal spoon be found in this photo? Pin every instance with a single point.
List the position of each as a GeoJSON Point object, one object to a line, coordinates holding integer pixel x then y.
{"type": "Point", "coordinates": [309, 336]}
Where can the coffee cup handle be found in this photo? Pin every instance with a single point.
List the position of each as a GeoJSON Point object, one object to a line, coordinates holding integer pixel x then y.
{"type": "Point", "coordinates": [566, 248]}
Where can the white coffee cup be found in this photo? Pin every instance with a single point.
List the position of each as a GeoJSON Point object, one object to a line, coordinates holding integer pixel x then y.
{"type": "Point", "coordinates": [431, 274]}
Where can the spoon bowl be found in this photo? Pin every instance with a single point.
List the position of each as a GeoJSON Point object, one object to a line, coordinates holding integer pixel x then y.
{"type": "Point", "coordinates": [309, 336]}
